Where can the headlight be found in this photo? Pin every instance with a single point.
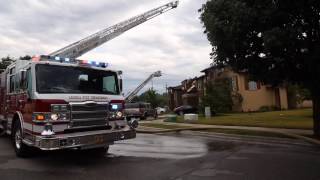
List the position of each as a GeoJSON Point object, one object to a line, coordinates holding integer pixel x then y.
{"type": "Point", "coordinates": [54, 117]}
{"type": "Point", "coordinates": [63, 108]}
{"type": "Point", "coordinates": [119, 114]}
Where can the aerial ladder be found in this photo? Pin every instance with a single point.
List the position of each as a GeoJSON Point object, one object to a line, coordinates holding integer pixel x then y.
{"type": "Point", "coordinates": [85, 45]}
{"type": "Point", "coordinates": [132, 94]}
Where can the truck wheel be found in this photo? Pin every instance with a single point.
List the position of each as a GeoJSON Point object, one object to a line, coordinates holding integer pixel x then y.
{"type": "Point", "coordinates": [144, 116]}
{"type": "Point", "coordinates": [97, 152]}
{"type": "Point", "coordinates": [2, 132]}
{"type": "Point", "coordinates": [2, 128]}
{"type": "Point", "coordinates": [20, 148]}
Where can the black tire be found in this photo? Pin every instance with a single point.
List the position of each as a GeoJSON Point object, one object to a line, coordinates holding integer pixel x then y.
{"type": "Point", "coordinates": [144, 116]}
{"type": "Point", "coordinates": [181, 113]}
{"type": "Point", "coordinates": [20, 148]}
{"type": "Point", "coordinates": [2, 132]}
{"type": "Point", "coordinates": [97, 152]}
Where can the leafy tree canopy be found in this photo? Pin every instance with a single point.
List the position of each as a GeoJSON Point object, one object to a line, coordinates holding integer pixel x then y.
{"type": "Point", "coordinates": [151, 96]}
{"type": "Point", "coordinates": [275, 41]}
{"type": "Point", "coordinates": [5, 62]}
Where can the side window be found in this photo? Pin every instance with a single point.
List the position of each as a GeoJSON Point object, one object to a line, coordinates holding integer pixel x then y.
{"type": "Point", "coordinates": [17, 82]}
{"type": "Point", "coordinates": [29, 83]}
{"type": "Point", "coordinates": [12, 81]}
{"type": "Point", "coordinates": [109, 84]}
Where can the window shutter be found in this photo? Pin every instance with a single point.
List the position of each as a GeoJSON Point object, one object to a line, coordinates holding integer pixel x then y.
{"type": "Point", "coordinates": [258, 85]}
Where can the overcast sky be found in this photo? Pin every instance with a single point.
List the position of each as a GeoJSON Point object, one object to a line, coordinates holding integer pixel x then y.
{"type": "Point", "coordinates": [172, 42]}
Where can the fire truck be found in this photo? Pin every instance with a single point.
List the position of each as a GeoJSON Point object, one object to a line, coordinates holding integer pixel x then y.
{"type": "Point", "coordinates": [57, 101]}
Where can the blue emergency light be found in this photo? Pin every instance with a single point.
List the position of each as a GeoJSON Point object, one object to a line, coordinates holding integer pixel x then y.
{"type": "Point", "coordinates": [114, 107]}
{"type": "Point", "coordinates": [71, 60]}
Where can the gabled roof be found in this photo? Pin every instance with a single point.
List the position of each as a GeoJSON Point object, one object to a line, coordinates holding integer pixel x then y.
{"type": "Point", "coordinates": [176, 87]}
{"type": "Point", "coordinates": [209, 68]}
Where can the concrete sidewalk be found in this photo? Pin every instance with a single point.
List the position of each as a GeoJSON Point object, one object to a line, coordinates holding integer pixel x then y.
{"type": "Point", "coordinates": [283, 130]}
{"type": "Point", "coordinates": [294, 133]}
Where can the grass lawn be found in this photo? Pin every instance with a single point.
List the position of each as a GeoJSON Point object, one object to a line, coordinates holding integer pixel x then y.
{"type": "Point", "coordinates": [293, 119]}
{"type": "Point", "coordinates": [217, 130]}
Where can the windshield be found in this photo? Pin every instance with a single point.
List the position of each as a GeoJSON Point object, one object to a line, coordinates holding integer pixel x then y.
{"type": "Point", "coordinates": [78, 80]}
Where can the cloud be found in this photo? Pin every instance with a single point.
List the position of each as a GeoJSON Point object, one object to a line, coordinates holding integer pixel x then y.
{"type": "Point", "coordinates": [173, 42]}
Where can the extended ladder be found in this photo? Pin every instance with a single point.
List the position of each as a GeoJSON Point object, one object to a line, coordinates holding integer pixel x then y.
{"type": "Point", "coordinates": [132, 94]}
{"type": "Point", "coordinates": [81, 47]}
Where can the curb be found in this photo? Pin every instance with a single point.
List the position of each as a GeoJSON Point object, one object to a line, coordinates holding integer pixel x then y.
{"type": "Point", "coordinates": [307, 139]}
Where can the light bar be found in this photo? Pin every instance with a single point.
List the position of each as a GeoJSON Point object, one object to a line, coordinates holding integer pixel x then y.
{"type": "Point", "coordinates": [70, 60]}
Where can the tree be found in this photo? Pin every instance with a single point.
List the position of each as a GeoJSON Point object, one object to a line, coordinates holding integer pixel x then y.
{"type": "Point", "coordinates": [296, 95]}
{"type": "Point", "coordinates": [151, 96]}
{"type": "Point", "coordinates": [26, 57]}
{"type": "Point", "coordinates": [5, 62]}
{"type": "Point", "coordinates": [276, 41]}
{"type": "Point", "coordinates": [218, 96]}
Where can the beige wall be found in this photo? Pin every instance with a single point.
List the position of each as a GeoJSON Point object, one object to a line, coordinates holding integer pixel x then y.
{"type": "Point", "coordinates": [254, 100]}
{"type": "Point", "coordinates": [305, 104]}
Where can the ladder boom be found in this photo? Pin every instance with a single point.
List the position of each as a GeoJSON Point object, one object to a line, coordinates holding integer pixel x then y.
{"type": "Point", "coordinates": [132, 94]}
{"type": "Point", "coordinates": [81, 47]}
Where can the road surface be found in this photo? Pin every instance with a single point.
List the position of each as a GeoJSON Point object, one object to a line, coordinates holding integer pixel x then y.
{"type": "Point", "coordinates": [169, 157]}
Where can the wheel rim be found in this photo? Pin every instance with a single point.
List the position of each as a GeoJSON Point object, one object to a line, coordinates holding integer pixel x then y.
{"type": "Point", "coordinates": [18, 140]}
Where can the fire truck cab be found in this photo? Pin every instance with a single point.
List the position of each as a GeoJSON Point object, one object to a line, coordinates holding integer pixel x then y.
{"type": "Point", "coordinates": [53, 103]}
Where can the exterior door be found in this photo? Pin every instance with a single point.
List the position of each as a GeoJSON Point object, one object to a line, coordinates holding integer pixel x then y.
{"type": "Point", "coordinates": [277, 96]}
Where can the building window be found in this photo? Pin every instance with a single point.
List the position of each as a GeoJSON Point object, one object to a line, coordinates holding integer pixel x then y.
{"type": "Point", "coordinates": [252, 85]}
{"type": "Point", "coordinates": [234, 83]}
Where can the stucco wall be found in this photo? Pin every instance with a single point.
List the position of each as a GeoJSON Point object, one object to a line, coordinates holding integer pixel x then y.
{"type": "Point", "coordinates": [254, 100]}
{"type": "Point", "coordinates": [305, 104]}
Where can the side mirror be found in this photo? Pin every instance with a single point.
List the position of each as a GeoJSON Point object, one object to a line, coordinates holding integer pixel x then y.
{"type": "Point", "coordinates": [23, 79]}
{"type": "Point", "coordinates": [121, 85]}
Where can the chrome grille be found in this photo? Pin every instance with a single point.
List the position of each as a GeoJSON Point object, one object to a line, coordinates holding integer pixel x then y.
{"type": "Point", "coordinates": [88, 114]}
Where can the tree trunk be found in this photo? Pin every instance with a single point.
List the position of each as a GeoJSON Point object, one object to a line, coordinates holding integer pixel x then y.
{"type": "Point", "coordinates": [316, 114]}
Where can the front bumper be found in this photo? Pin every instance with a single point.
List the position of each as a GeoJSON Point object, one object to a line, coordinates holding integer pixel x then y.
{"type": "Point", "coordinates": [83, 139]}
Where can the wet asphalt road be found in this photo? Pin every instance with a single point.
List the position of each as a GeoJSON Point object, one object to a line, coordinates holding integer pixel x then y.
{"type": "Point", "coordinates": [173, 157]}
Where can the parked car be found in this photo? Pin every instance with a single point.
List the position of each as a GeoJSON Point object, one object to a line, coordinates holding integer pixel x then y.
{"type": "Point", "coordinates": [160, 110]}
{"type": "Point", "coordinates": [140, 110]}
{"type": "Point", "coordinates": [185, 109]}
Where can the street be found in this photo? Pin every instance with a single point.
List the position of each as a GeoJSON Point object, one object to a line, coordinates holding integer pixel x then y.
{"type": "Point", "coordinates": [171, 156]}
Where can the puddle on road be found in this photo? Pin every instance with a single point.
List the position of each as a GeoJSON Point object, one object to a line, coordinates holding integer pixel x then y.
{"type": "Point", "coordinates": [219, 146]}
{"type": "Point", "coordinates": [158, 146]}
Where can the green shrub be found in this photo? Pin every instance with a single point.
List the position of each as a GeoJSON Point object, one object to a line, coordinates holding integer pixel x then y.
{"type": "Point", "coordinates": [268, 108]}
{"type": "Point", "coordinates": [218, 96]}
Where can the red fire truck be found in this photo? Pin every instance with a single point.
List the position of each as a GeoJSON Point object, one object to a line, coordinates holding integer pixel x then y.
{"type": "Point", "coordinates": [58, 102]}
{"type": "Point", "coordinates": [55, 103]}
